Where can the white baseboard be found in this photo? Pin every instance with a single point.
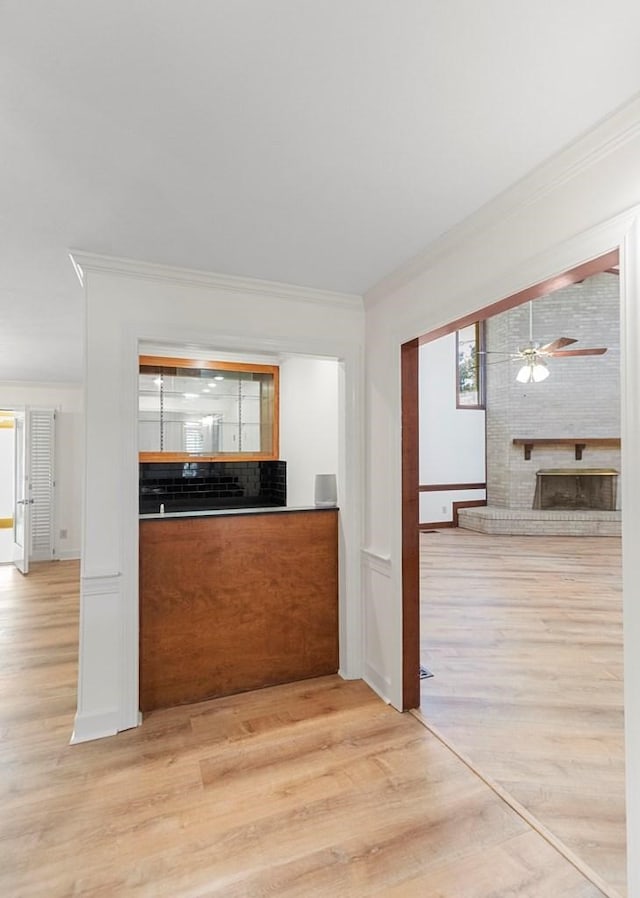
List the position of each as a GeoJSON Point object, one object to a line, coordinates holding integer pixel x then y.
{"type": "Point", "coordinates": [69, 555]}
{"type": "Point", "coordinates": [344, 676]}
{"type": "Point", "coordinates": [380, 684]}
{"type": "Point", "coordinates": [94, 726]}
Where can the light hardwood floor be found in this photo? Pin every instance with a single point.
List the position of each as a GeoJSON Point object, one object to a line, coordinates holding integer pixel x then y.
{"type": "Point", "coordinates": [313, 790]}
{"type": "Point", "coordinates": [524, 636]}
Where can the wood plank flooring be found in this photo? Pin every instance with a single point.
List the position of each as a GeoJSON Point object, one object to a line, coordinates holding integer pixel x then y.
{"type": "Point", "coordinates": [524, 637]}
{"type": "Point", "coordinates": [307, 790]}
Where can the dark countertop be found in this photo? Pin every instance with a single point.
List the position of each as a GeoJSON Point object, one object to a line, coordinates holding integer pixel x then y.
{"type": "Point", "coordinates": [221, 512]}
{"type": "Point", "coordinates": [151, 505]}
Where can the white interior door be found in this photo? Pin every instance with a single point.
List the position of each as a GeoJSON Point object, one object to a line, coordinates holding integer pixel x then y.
{"type": "Point", "coordinates": [22, 493]}
{"type": "Point", "coordinates": [41, 453]}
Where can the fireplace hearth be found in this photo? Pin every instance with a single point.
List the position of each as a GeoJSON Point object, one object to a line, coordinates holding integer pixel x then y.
{"type": "Point", "coordinates": [576, 488]}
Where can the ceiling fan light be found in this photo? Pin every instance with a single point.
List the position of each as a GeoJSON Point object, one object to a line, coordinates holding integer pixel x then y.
{"type": "Point", "coordinates": [524, 375]}
{"type": "Point", "coordinates": [532, 372]}
{"type": "Point", "coordinates": [539, 372]}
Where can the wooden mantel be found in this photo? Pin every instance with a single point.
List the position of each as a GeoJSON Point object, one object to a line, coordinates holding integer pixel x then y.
{"type": "Point", "coordinates": [579, 443]}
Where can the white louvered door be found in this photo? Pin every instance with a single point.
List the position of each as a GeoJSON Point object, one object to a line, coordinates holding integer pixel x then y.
{"type": "Point", "coordinates": [42, 483]}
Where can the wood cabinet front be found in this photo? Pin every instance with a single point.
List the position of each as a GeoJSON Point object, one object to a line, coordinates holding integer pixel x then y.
{"type": "Point", "coordinates": [236, 602]}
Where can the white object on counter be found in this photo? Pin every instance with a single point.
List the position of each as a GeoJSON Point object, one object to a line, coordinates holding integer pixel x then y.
{"type": "Point", "coordinates": [325, 491]}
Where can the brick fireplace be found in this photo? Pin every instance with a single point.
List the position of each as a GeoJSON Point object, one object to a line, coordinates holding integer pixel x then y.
{"type": "Point", "coordinates": [569, 422]}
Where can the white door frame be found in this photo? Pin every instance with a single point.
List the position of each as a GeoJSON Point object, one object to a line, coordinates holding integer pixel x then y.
{"type": "Point", "coordinates": [22, 500]}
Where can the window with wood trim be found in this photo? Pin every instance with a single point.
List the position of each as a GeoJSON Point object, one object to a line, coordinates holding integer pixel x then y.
{"type": "Point", "coordinates": [213, 411]}
{"type": "Point", "coordinates": [470, 366]}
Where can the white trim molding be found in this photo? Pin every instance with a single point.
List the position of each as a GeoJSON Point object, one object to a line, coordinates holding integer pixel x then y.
{"type": "Point", "coordinates": [379, 561]}
{"type": "Point", "coordinates": [188, 277]}
{"type": "Point", "coordinates": [99, 658]}
{"type": "Point", "coordinates": [88, 727]}
{"type": "Point", "coordinates": [377, 620]}
{"type": "Point", "coordinates": [630, 402]}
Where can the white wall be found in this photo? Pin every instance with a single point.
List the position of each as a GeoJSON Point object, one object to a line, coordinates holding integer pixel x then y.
{"type": "Point", "coordinates": [578, 206]}
{"type": "Point", "coordinates": [452, 440]}
{"type": "Point", "coordinates": [67, 400]}
{"type": "Point", "coordinates": [437, 507]}
{"type": "Point", "coordinates": [309, 423]}
{"type": "Point", "coordinates": [130, 303]}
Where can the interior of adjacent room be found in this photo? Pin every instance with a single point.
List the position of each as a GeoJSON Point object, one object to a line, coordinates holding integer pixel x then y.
{"type": "Point", "coordinates": [6, 485]}
{"type": "Point", "coordinates": [521, 604]}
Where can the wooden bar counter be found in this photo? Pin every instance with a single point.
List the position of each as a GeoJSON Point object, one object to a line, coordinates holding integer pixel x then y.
{"type": "Point", "coordinates": [232, 602]}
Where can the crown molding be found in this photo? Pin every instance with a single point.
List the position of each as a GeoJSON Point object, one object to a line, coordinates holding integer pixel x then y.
{"type": "Point", "coordinates": [605, 139]}
{"type": "Point", "coordinates": [84, 261]}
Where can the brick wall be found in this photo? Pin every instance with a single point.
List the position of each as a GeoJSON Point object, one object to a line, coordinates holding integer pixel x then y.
{"type": "Point", "coordinates": [580, 398]}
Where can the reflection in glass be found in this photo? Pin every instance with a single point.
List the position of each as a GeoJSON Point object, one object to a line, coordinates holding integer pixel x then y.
{"type": "Point", "coordinates": [205, 411]}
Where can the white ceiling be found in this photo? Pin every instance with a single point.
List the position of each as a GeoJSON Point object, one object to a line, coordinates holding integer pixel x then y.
{"type": "Point", "coordinates": [318, 142]}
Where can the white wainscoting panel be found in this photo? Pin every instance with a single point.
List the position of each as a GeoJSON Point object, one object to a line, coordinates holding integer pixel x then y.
{"type": "Point", "coordinates": [99, 661]}
{"type": "Point", "coordinates": [378, 622]}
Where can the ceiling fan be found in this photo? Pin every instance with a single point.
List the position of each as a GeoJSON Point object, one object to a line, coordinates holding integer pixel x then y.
{"type": "Point", "coordinates": [533, 355]}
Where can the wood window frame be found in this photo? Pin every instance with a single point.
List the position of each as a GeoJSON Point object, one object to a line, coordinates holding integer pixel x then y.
{"type": "Point", "coordinates": [480, 368]}
{"type": "Point", "coordinates": [153, 361]}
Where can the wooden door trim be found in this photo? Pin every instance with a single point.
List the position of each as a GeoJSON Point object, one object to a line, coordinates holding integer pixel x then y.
{"type": "Point", "coordinates": [574, 276]}
{"type": "Point", "coordinates": [410, 528]}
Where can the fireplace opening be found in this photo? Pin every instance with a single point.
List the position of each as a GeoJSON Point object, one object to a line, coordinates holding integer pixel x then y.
{"type": "Point", "coordinates": [574, 488]}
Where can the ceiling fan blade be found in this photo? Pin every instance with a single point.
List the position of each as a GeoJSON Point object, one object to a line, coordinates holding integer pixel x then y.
{"type": "Point", "coordinates": [567, 352]}
{"type": "Point", "coordinates": [501, 361]}
{"type": "Point", "coordinates": [493, 352]}
{"type": "Point", "coordinates": [557, 344]}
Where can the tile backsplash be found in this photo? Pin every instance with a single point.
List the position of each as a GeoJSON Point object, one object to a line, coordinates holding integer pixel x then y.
{"type": "Point", "coordinates": [197, 486]}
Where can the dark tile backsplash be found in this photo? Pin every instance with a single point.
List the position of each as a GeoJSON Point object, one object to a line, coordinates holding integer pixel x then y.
{"type": "Point", "coordinates": [198, 486]}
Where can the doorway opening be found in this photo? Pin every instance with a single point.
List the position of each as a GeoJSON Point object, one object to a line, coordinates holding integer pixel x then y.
{"type": "Point", "coordinates": [528, 566]}
{"type": "Point", "coordinates": [7, 476]}
{"type": "Point", "coordinates": [27, 486]}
